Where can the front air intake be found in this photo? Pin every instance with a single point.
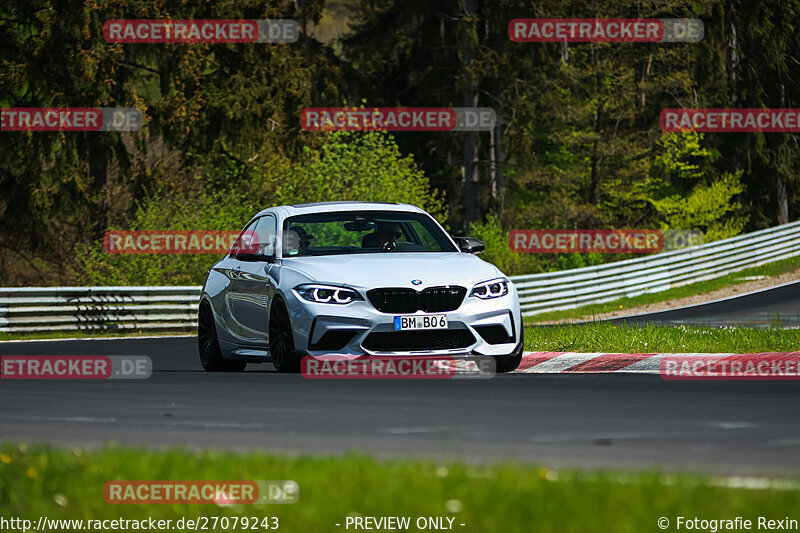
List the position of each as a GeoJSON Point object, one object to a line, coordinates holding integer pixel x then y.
{"type": "Point", "coordinates": [412, 341]}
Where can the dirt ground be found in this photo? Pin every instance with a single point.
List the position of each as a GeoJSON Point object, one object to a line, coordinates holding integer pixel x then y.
{"type": "Point", "coordinates": [732, 290]}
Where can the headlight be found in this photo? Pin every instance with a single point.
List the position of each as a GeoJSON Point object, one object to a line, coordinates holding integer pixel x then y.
{"type": "Point", "coordinates": [326, 294]}
{"type": "Point", "coordinates": [494, 288]}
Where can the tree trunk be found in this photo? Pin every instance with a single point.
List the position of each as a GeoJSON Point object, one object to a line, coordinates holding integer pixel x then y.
{"type": "Point", "coordinates": [642, 94]}
{"type": "Point", "coordinates": [314, 92]}
{"type": "Point", "coordinates": [497, 162]}
{"type": "Point", "coordinates": [733, 64]}
{"type": "Point", "coordinates": [492, 169]}
{"type": "Point", "coordinates": [782, 199]}
{"type": "Point", "coordinates": [98, 170]}
{"type": "Point", "coordinates": [469, 176]}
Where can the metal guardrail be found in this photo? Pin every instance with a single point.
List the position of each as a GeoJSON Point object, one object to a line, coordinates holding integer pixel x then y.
{"type": "Point", "coordinates": [98, 308]}
{"type": "Point", "coordinates": [152, 308]}
{"type": "Point", "coordinates": [568, 289]}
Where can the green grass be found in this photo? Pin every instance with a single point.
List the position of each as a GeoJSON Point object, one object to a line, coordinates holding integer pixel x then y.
{"type": "Point", "coordinates": [45, 335]}
{"type": "Point", "coordinates": [588, 311]}
{"type": "Point", "coordinates": [607, 337]}
{"type": "Point", "coordinates": [504, 498]}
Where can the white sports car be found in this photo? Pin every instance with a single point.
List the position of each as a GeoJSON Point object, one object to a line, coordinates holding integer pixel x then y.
{"type": "Point", "coordinates": [354, 278]}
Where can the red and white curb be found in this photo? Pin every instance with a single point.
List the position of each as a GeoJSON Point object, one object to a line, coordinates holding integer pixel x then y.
{"type": "Point", "coordinates": [580, 363]}
{"type": "Point", "coordinates": [636, 363]}
{"type": "Point", "coordinates": [586, 363]}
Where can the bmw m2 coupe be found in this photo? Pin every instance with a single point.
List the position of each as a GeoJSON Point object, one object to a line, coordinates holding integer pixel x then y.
{"type": "Point", "coordinates": [358, 279]}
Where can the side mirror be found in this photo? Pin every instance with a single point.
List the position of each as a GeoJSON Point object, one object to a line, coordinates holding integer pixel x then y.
{"type": "Point", "coordinates": [243, 256]}
{"type": "Point", "coordinates": [252, 251]}
{"type": "Point", "coordinates": [468, 245]}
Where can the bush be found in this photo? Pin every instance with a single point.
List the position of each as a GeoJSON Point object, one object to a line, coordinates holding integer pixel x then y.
{"type": "Point", "coordinates": [499, 253]}
{"type": "Point", "coordinates": [349, 166]}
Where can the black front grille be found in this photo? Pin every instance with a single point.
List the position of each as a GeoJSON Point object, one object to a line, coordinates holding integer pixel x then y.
{"type": "Point", "coordinates": [410, 341]}
{"type": "Point", "coordinates": [430, 300]}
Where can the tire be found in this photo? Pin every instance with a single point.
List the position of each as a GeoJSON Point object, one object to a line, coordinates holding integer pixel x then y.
{"type": "Point", "coordinates": [281, 342]}
{"type": "Point", "coordinates": [208, 344]}
{"type": "Point", "coordinates": [507, 363]}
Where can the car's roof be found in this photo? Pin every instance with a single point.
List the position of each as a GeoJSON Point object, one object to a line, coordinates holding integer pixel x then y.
{"type": "Point", "coordinates": [328, 207]}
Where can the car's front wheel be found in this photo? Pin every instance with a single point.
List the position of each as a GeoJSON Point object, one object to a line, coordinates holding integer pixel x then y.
{"type": "Point", "coordinates": [281, 341]}
{"type": "Point", "coordinates": [508, 363]}
{"type": "Point", "coordinates": [208, 344]}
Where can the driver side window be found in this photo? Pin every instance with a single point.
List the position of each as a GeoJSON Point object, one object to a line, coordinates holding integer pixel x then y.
{"type": "Point", "coordinates": [257, 238]}
{"type": "Point", "coordinates": [265, 230]}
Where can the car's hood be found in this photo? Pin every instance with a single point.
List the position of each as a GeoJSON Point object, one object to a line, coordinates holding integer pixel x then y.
{"type": "Point", "coordinates": [395, 269]}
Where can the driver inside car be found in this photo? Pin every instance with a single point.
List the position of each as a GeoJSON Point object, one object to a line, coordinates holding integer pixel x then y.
{"type": "Point", "coordinates": [385, 232]}
{"type": "Point", "coordinates": [305, 239]}
{"type": "Point", "coordinates": [291, 243]}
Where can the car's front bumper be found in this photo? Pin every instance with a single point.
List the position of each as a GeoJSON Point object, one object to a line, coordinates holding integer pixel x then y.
{"type": "Point", "coordinates": [478, 327]}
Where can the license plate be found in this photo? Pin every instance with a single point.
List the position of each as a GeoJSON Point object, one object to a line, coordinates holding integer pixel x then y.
{"type": "Point", "coordinates": [420, 322]}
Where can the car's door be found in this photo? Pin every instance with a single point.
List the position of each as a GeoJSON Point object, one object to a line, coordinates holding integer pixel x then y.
{"type": "Point", "coordinates": [249, 287]}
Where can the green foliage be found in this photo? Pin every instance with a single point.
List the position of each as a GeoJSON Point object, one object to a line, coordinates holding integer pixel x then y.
{"type": "Point", "coordinates": [498, 252]}
{"type": "Point", "coordinates": [568, 261]}
{"type": "Point", "coordinates": [61, 191]}
{"type": "Point", "coordinates": [710, 208]}
{"type": "Point", "coordinates": [196, 210]}
{"type": "Point", "coordinates": [346, 167]}
{"type": "Point", "coordinates": [686, 194]}
{"type": "Point", "coordinates": [581, 144]}
{"type": "Point", "coordinates": [682, 155]}
{"type": "Point", "coordinates": [360, 166]}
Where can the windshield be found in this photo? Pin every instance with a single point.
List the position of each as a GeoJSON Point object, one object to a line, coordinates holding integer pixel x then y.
{"type": "Point", "coordinates": [362, 232]}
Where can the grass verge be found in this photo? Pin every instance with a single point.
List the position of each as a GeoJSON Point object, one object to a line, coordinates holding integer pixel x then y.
{"type": "Point", "coordinates": [607, 337]}
{"type": "Point", "coordinates": [588, 311]}
{"type": "Point", "coordinates": [63, 484]}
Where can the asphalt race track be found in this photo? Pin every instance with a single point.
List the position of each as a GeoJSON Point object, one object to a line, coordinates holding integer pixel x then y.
{"type": "Point", "coordinates": [590, 420]}
{"type": "Point", "coordinates": [779, 305]}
